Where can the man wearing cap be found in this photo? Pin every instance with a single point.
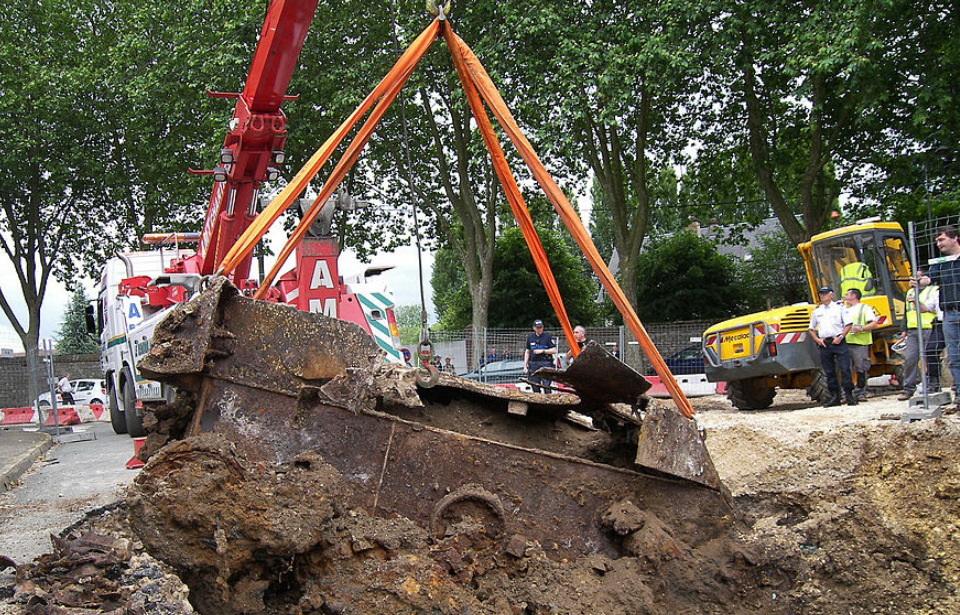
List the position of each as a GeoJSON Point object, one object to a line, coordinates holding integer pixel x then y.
{"type": "Point", "coordinates": [537, 353]}
{"type": "Point", "coordinates": [829, 325]}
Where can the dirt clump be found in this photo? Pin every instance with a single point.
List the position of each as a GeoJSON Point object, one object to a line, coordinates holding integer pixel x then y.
{"type": "Point", "coordinates": [259, 539]}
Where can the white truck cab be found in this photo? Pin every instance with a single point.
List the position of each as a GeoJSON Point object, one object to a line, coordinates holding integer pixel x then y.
{"type": "Point", "coordinates": [134, 295]}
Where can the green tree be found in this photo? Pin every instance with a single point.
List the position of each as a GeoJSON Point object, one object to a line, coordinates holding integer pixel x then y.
{"type": "Point", "coordinates": [156, 120]}
{"type": "Point", "coordinates": [450, 294]}
{"type": "Point", "coordinates": [409, 322]}
{"type": "Point", "coordinates": [683, 277]}
{"type": "Point", "coordinates": [72, 338]}
{"type": "Point", "coordinates": [51, 211]}
{"type": "Point", "coordinates": [807, 102]}
{"type": "Point", "coordinates": [425, 153]}
{"type": "Point", "coordinates": [774, 273]}
{"type": "Point", "coordinates": [518, 295]}
{"type": "Point", "coordinates": [610, 81]}
{"type": "Point", "coordinates": [912, 167]}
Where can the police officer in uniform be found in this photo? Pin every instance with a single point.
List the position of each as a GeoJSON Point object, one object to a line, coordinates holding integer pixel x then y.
{"type": "Point", "coordinates": [829, 326]}
{"type": "Point", "coordinates": [538, 352]}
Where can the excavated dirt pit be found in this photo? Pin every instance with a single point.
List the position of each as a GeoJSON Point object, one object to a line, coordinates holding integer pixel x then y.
{"type": "Point", "coordinates": [842, 512]}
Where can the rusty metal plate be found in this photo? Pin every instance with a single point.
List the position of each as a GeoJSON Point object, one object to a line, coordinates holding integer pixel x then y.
{"type": "Point", "coordinates": [671, 443]}
{"type": "Point", "coordinates": [398, 467]}
{"type": "Point", "coordinates": [271, 346]}
{"type": "Point", "coordinates": [599, 376]}
{"type": "Point", "coordinates": [278, 383]}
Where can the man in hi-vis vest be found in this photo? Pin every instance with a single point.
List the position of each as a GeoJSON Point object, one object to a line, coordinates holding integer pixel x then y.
{"type": "Point", "coordinates": [857, 275]}
{"type": "Point", "coordinates": [929, 306]}
{"type": "Point", "coordinates": [863, 320]}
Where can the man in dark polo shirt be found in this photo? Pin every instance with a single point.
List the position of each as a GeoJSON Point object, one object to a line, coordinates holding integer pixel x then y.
{"type": "Point", "coordinates": [946, 274]}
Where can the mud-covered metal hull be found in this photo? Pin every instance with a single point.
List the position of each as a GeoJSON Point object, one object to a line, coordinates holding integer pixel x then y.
{"type": "Point", "coordinates": [279, 383]}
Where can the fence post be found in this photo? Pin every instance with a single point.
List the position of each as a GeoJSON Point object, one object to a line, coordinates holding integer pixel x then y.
{"type": "Point", "coordinates": [911, 229]}
{"type": "Point", "coordinates": [32, 389]}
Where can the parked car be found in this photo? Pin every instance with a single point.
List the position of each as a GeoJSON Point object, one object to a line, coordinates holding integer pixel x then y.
{"type": "Point", "coordinates": [687, 360]}
{"type": "Point", "coordinates": [497, 372]}
{"type": "Point", "coordinates": [85, 391]}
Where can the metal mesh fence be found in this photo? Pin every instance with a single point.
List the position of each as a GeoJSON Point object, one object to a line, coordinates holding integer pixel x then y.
{"type": "Point", "coordinates": [468, 352]}
{"type": "Point", "coordinates": [925, 253]}
{"type": "Point", "coordinates": [925, 237]}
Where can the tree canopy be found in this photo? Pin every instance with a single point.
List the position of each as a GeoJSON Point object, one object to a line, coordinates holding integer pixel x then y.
{"type": "Point", "coordinates": [723, 110]}
{"type": "Point", "coordinates": [518, 296]}
{"type": "Point", "coordinates": [774, 273]}
{"type": "Point", "coordinates": [684, 277]}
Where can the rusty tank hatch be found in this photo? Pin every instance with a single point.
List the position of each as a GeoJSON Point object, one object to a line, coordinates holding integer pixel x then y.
{"type": "Point", "coordinates": [279, 384]}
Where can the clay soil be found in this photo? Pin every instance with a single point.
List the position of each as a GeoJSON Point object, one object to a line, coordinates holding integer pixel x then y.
{"type": "Point", "coordinates": [841, 510]}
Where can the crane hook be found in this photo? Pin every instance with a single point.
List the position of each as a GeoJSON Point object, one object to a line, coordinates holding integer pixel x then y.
{"type": "Point", "coordinates": [436, 11]}
{"type": "Point", "coordinates": [427, 374]}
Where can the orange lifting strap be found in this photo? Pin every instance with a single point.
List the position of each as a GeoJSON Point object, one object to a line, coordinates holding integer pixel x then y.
{"type": "Point", "coordinates": [477, 85]}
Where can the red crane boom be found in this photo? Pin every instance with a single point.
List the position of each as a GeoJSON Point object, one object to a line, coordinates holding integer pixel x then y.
{"type": "Point", "coordinates": [253, 148]}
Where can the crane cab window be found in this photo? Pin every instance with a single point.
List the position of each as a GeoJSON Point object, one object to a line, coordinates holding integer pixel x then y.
{"type": "Point", "coordinates": [849, 261]}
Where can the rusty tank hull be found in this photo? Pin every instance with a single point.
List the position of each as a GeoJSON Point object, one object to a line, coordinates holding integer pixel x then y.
{"type": "Point", "coordinates": [278, 384]}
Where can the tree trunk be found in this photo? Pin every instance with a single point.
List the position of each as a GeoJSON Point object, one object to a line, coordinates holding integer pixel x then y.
{"type": "Point", "coordinates": [760, 155]}
{"type": "Point", "coordinates": [480, 300]}
{"type": "Point", "coordinates": [36, 376]}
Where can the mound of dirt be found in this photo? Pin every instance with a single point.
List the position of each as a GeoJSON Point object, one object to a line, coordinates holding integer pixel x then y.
{"type": "Point", "coordinates": [843, 513]}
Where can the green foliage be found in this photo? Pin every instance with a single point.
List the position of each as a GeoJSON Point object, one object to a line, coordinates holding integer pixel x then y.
{"type": "Point", "coordinates": [774, 274]}
{"type": "Point", "coordinates": [51, 208]}
{"type": "Point", "coordinates": [611, 85]}
{"type": "Point", "coordinates": [451, 297]}
{"type": "Point", "coordinates": [72, 338]}
{"type": "Point", "coordinates": [518, 295]}
{"type": "Point", "coordinates": [771, 103]}
{"type": "Point", "coordinates": [409, 322]}
{"type": "Point", "coordinates": [683, 277]}
{"type": "Point", "coordinates": [811, 102]}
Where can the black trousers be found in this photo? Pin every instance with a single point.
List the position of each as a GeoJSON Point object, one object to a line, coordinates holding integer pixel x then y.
{"type": "Point", "coordinates": [830, 355]}
{"type": "Point", "coordinates": [533, 369]}
{"type": "Point", "coordinates": [933, 346]}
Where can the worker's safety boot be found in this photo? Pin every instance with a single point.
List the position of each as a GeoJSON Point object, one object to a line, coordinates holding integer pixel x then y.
{"type": "Point", "coordinates": [851, 399]}
{"type": "Point", "coordinates": [833, 401]}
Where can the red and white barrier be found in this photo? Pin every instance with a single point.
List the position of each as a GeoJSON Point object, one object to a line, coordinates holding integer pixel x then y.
{"type": "Point", "coordinates": [66, 415]}
{"type": "Point", "coordinates": [18, 416]}
{"type": "Point", "coordinates": [135, 462]}
{"type": "Point", "coordinates": [694, 385]}
{"type": "Point", "coordinates": [92, 413]}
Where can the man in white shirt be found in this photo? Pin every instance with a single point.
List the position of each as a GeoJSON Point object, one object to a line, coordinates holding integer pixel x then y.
{"type": "Point", "coordinates": [66, 390]}
{"type": "Point", "coordinates": [829, 325]}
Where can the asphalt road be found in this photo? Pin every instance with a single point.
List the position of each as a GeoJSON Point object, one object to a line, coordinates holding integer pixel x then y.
{"type": "Point", "coordinates": [72, 479]}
